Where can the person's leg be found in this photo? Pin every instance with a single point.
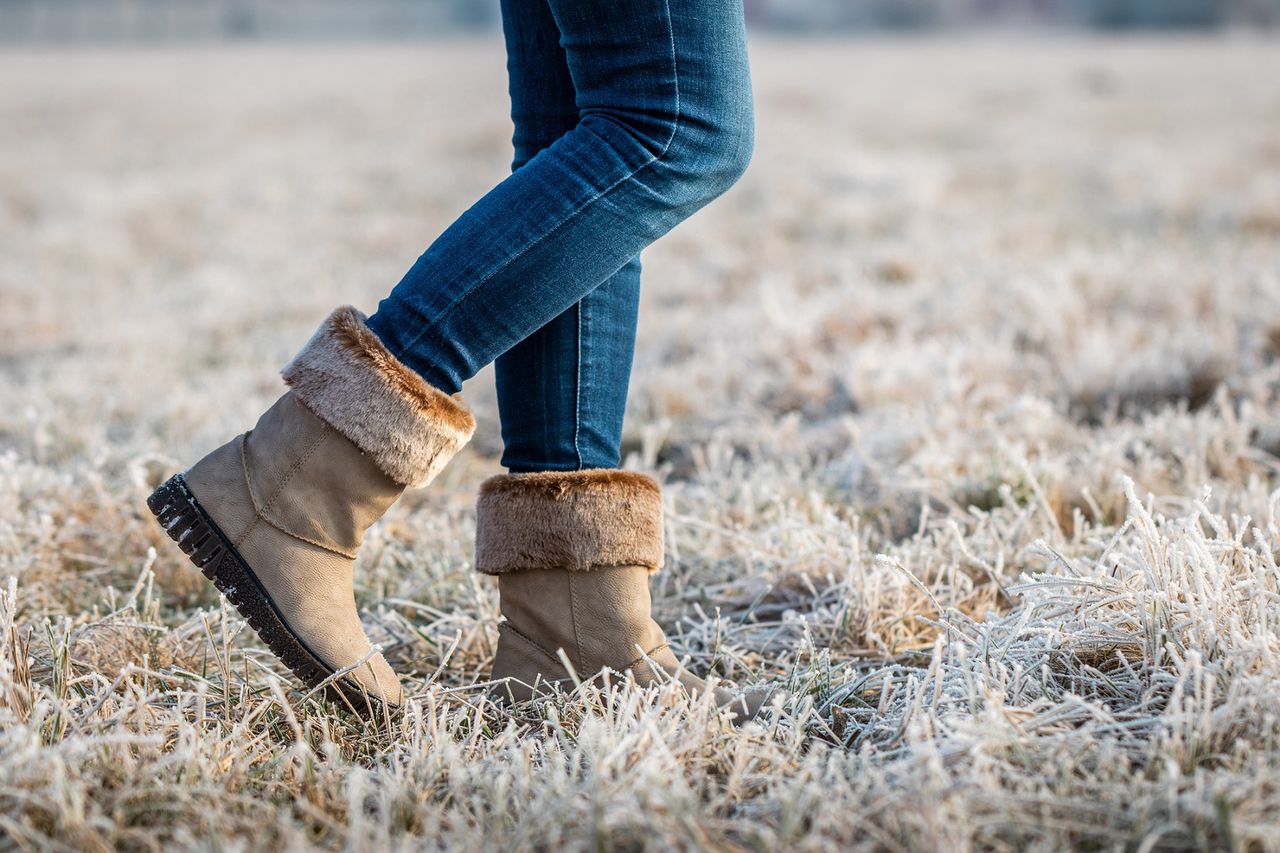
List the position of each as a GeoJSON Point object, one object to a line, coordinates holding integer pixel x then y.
{"type": "Point", "coordinates": [562, 391]}
{"type": "Point", "coordinates": [574, 548]}
{"type": "Point", "coordinates": [665, 126]}
{"type": "Point", "coordinates": [276, 516]}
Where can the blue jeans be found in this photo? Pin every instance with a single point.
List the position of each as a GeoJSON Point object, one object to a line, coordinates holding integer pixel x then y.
{"type": "Point", "coordinates": [629, 116]}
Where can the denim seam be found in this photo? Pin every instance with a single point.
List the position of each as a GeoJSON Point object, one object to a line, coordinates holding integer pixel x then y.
{"type": "Point", "coordinates": [577, 389]}
{"type": "Point", "coordinates": [675, 126]}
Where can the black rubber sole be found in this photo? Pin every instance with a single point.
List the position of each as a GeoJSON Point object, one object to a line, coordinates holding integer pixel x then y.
{"type": "Point", "coordinates": [187, 524]}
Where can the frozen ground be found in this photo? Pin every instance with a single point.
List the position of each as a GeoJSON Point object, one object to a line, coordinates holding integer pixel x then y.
{"type": "Point", "coordinates": [966, 400]}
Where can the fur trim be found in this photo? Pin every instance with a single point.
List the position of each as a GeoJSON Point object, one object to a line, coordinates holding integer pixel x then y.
{"type": "Point", "coordinates": [348, 378]}
{"type": "Point", "coordinates": [578, 520]}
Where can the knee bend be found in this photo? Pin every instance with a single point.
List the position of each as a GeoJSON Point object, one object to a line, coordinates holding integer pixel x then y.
{"type": "Point", "coordinates": [711, 152]}
{"type": "Point", "coordinates": [691, 154]}
{"type": "Point", "coordinates": [736, 157]}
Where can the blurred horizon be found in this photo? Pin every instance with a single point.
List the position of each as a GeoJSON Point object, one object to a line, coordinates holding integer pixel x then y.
{"type": "Point", "coordinates": [90, 21]}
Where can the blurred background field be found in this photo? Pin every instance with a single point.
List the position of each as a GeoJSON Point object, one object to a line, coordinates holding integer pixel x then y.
{"type": "Point", "coordinates": [966, 401]}
{"type": "Point", "coordinates": [63, 20]}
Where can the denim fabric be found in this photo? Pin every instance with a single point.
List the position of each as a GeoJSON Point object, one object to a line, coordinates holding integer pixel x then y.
{"type": "Point", "coordinates": [630, 116]}
{"type": "Point", "coordinates": [562, 391]}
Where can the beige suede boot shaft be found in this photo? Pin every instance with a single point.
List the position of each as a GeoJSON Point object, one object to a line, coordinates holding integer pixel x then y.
{"type": "Point", "coordinates": [276, 516]}
{"type": "Point", "coordinates": [573, 553]}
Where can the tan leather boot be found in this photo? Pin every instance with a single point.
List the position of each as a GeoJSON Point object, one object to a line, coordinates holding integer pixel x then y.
{"type": "Point", "coordinates": [275, 516]}
{"type": "Point", "coordinates": [573, 553]}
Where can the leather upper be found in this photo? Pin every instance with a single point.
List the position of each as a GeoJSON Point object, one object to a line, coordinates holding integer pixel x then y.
{"type": "Point", "coordinates": [295, 497]}
{"type": "Point", "coordinates": [601, 620]}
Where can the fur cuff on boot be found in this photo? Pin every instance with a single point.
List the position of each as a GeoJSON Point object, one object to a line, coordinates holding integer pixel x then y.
{"type": "Point", "coordinates": [577, 520]}
{"type": "Point", "coordinates": [352, 382]}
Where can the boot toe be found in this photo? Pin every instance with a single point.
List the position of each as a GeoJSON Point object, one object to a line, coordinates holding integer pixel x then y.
{"type": "Point", "coordinates": [378, 680]}
{"type": "Point", "coordinates": [745, 704]}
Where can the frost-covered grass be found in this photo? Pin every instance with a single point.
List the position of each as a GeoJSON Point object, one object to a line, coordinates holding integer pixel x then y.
{"type": "Point", "coordinates": [966, 401]}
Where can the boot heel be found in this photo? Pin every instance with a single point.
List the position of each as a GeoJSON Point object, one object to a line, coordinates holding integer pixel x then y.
{"type": "Point", "coordinates": [522, 669]}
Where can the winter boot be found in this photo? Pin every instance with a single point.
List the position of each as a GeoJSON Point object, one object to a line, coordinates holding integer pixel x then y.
{"type": "Point", "coordinates": [573, 552]}
{"type": "Point", "coordinates": [275, 516]}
